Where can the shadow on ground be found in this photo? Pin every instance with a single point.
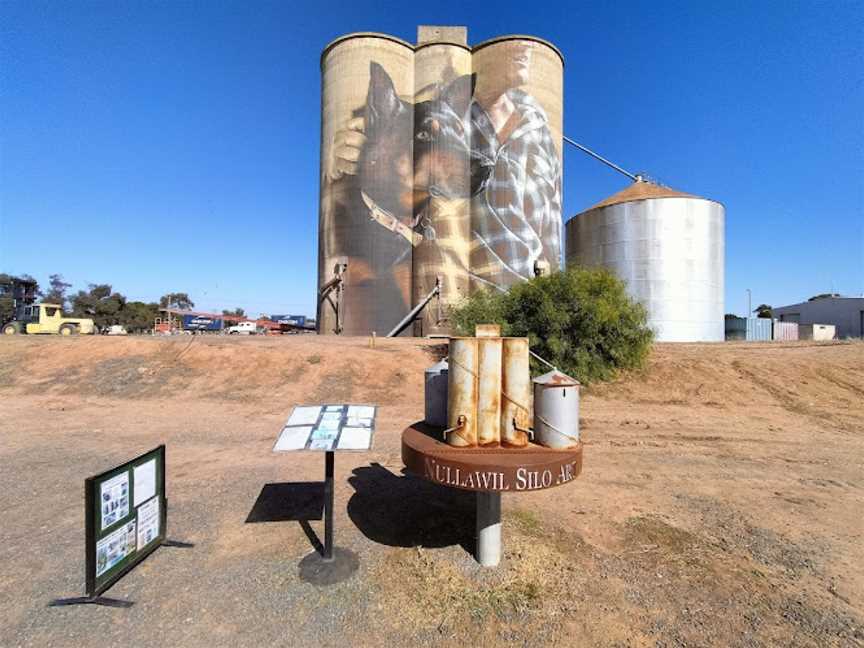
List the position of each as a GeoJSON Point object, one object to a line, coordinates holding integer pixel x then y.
{"type": "Point", "coordinates": [406, 511]}
{"type": "Point", "coordinates": [288, 502]}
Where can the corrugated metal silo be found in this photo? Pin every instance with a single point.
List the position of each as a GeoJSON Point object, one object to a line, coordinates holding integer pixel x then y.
{"type": "Point", "coordinates": [668, 247]}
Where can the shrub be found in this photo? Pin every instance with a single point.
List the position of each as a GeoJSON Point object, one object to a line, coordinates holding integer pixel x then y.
{"type": "Point", "coordinates": [580, 320]}
{"type": "Point", "coordinates": [482, 307]}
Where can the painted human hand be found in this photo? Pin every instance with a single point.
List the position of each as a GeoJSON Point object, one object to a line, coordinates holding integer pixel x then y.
{"type": "Point", "coordinates": [345, 150]}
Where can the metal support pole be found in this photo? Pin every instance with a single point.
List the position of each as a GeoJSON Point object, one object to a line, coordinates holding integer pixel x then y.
{"type": "Point", "coordinates": [488, 528]}
{"type": "Point", "coordinates": [600, 158]}
{"type": "Point", "coordinates": [335, 285]}
{"type": "Point", "coordinates": [328, 506]}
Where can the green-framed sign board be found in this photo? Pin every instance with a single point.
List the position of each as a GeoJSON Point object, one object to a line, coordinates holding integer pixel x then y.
{"type": "Point", "coordinates": [126, 514]}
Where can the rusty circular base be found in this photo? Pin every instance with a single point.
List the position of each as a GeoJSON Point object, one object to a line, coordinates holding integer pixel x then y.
{"type": "Point", "coordinates": [487, 469]}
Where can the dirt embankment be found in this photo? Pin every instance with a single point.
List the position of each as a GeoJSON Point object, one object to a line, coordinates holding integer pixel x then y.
{"type": "Point", "coordinates": [821, 380]}
{"type": "Point", "coordinates": [720, 502]}
{"type": "Point", "coordinates": [249, 370]}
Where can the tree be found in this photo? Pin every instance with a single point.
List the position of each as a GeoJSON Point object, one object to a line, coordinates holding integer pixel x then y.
{"type": "Point", "coordinates": [180, 301]}
{"type": "Point", "coordinates": [100, 304]}
{"type": "Point", "coordinates": [137, 316]}
{"type": "Point", "coordinates": [14, 292]}
{"type": "Point", "coordinates": [7, 302]}
{"type": "Point", "coordinates": [823, 296]}
{"type": "Point", "coordinates": [581, 320]}
{"type": "Point", "coordinates": [764, 311]}
{"type": "Point", "coordinates": [237, 312]}
{"type": "Point", "coordinates": [56, 290]}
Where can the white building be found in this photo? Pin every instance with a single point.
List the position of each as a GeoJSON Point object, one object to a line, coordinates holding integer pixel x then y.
{"type": "Point", "coordinates": [846, 313]}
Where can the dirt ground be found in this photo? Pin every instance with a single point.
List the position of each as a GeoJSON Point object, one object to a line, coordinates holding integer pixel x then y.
{"type": "Point", "coordinates": [721, 502]}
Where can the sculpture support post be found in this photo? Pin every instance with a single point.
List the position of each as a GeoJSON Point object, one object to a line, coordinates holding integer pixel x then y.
{"type": "Point", "coordinates": [488, 528]}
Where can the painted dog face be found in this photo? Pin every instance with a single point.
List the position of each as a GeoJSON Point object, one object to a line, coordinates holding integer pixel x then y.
{"type": "Point", "coordinates": [416, 152]}
{"type": "Point", "coordinates": [385, 163]}
{"type": "Point", "coordinates": [442, 142]}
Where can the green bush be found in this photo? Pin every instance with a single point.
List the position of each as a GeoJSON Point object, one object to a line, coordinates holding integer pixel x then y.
{"type": "Point", "coordinates": [581, 320]}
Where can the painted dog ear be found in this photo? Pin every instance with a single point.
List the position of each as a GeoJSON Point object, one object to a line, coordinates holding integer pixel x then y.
{"type": "Point", "coordinates": [382, 102]}
{"type": "Point", "coordinates": [457, 94]}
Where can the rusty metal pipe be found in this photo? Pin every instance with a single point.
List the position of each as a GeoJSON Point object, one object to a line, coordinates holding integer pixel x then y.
{"type": "Point", "coordinates": [462, 391]}
{"type": "Point", "coordinates": [516, 393]}
{"type": "Point", "coordinates": [489, 393]}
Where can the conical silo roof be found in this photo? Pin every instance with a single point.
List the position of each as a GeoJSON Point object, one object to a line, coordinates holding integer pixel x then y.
{"type": "Point", "coordinates": [641, 190]}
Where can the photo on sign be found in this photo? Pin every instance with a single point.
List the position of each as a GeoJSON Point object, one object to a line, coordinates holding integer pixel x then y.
{"type": "Point", "coordinates": [144, 480]}
{"type": "Point", "coordinates": [355, 438]}
{"type": "Point", "coordinates": [304, 416]}
{"type": "Point", "coordinates": [329, 424]}
{"type": "Point", "coordinates": [114, 547]}
{"type": "Point", "coordinates": [292, 438]}
{"type": "Point", "coordinates": [361, 411]}
{"type": "Point", "coordinates": [148, 522]}
{"type": "Point", "coordinates": [114, 499]}
{"type": "Point", "coordinates": [324, 435]}
{"type": "Point", "coordinates": [359, 422]}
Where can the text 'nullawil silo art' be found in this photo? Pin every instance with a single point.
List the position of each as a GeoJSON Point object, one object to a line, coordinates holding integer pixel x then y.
{"type": "Point", "coordinates": [440, 173]}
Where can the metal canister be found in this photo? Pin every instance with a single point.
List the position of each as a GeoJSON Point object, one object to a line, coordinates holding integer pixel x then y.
{"type": "Point", "coordinates": [462, 392]}
{"type": "Point", "coordinates": [489, 391]}
{"type": "Point", "coordinates": [515, 393]}
{"type": "Point", "coordinates": [435, 381]}
{"type": "Point", "coordinates": [556, 410]}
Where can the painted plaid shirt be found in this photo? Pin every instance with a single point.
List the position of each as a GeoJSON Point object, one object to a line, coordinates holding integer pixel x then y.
{"type": "Point", "coordinates": [516, 217]}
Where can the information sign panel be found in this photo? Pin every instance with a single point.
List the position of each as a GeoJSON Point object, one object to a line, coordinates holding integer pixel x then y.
{"type": "Point", "coordinates": [126, 515]}
{"type": "Point", "coordinates": [328, 428]}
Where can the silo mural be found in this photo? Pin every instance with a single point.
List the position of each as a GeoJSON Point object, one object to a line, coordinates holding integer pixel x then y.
{"type": "Point", "coordinates": [443, 86]}
{"type": "Point", "coordinates": [366, 182]}
{"type": "Point", "coordinates": [440, 164]}
{"type": "Point", "coordinates": [516, 120]}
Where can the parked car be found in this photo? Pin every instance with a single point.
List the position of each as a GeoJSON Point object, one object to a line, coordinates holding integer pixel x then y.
{"type": "Point", "coordinates": [114, 329]}
{"type": "Point", "coordinates": [243, 328]}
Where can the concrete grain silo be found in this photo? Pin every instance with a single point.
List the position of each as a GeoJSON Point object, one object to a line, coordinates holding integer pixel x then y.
{"type": "Point", "coordinates": [516, 215]}
{"type": "Point", "coordinates": [668, 248]}
{"type": "Point", "coordinates": [364, 208]}
{"type": "Point", "coordinates": [442, 79]}
{"type": "Point", "coordinates": [440, 174]}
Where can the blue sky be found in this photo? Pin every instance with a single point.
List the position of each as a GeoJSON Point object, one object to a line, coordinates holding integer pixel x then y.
{"type": "Point", "coordinates": [174, 146]}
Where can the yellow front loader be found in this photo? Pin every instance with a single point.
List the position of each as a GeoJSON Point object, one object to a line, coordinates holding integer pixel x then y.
{"type": "Point", "coordinates": [41, 319]}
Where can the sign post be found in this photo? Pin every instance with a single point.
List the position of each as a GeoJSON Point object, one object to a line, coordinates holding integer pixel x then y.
{"type": "Point", "coordinates": [331, 429]}
{"type": "Point", "coordinates": [329, 461]}
{"type": "Point", "coordinates": [126, 519]}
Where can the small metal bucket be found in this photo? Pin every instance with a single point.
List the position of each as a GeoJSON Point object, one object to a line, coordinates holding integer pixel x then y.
{"type": "Point", "coordinates": [556, 410]}
{"type": "Point", "coordinates": [435, 380]}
